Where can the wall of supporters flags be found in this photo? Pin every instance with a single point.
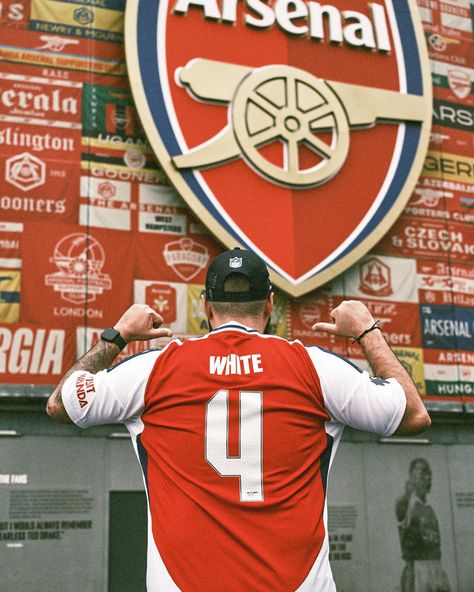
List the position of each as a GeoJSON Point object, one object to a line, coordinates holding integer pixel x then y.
{"type": "Point", "coordinates": [89, 223]}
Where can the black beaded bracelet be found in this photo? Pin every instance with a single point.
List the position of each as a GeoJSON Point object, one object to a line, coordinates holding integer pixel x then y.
{"type": "Point", "coordinates": [374, 326]}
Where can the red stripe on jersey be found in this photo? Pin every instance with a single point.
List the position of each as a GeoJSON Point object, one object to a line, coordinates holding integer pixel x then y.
{"type": "Point", "coordinates": [207, 537]}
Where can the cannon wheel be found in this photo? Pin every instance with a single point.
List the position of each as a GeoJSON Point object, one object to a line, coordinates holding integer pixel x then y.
{"type": "Point", "coordinates": [286, 104]}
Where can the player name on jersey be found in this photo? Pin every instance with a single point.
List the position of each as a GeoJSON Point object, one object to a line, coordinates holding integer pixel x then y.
{"type": "Point", "coordinates": [234, 364]}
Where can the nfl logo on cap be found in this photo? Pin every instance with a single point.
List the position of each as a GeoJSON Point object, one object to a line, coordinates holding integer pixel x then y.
{"type": "Point", "coordinates": [235, 262]}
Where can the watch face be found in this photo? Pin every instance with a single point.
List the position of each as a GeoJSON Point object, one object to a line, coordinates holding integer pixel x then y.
{"type": "Point", "coordinates": [110, 334]}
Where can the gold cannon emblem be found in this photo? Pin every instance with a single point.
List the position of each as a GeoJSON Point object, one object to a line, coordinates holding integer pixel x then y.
{"type": "Point", "coordinates": [279, 103]}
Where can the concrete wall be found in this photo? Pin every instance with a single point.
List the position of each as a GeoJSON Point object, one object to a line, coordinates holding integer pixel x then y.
{"type": "Point", "coordinates": [54, 504]}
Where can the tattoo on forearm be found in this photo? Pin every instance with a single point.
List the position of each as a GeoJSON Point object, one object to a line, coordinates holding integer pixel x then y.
{"type": "Point", "coordinates": [100, 357]}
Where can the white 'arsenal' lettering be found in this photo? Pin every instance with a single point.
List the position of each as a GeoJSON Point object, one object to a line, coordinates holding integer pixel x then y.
{"type": "Point", "coordinates": [28, 351]}
{"type": "Point", "coordinates": [447, 357]}
{"type": "Point", "coordinates": [446, 328]}
{"type": "Point", "coordinates": [234, 364]}
{"type": "Point", "coordinates": [296, 17]}
{"type": "Point", "coordinates": [454, 115]}
{"type": "Point", "coordinates": [43, 102]}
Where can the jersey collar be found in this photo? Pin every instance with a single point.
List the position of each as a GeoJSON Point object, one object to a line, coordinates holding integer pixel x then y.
{"type": "Point", "coordinates": [234, 325]}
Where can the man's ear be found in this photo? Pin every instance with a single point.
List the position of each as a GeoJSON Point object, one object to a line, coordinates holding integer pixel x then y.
{"type": "Point", "coordinates": [269, 306]}
{"type": "Point", "coordinates": [206, 305]}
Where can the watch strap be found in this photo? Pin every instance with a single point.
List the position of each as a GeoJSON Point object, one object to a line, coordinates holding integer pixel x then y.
{"type": "Point", "coordinates": [111, 335]}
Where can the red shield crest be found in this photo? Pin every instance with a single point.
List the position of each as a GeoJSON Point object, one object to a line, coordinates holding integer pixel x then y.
{"type": "Point", "coordinates": [291, 128]}
{"type": "Point", "coordinates": [162, 298]}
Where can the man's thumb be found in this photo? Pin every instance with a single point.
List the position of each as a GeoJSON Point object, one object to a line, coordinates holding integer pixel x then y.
{"type": "Point", "coordinates": [162, 332]}
{"type": "Point", "coordinates": [326, 327]}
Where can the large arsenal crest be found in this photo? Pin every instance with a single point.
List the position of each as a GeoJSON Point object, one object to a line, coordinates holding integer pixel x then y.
{"type": "Point", "coordinates": [292, 128]}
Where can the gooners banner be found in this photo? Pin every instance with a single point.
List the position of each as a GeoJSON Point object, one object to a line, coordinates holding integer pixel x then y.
{"type": "Point", "coordinates": [292, 128]}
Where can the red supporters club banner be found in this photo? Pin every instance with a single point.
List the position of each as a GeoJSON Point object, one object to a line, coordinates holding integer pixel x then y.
{"type": "Point", "coordinates": [10, 244]}
{"type": "Point", "coordinates": [441, 203]}
{"type": "Point", "coordinates": [445, 241]}
{"type": "Point", "coordinates": [14, 13]}
{"type": "Point", "coordinates": [307, 311]}
{"type": "Point", "coordinates": [399, 323]}
{"type": "Point", "coordinates": [50, 50]}
{"type": "Point", "coordinates": [446, 19]}
{"type": "Point", "coordinates": [35, 354]}
{"type": "Point", "coordinates": [71, 276]}
{"type": "Point", "coordinates": [441, 283]}
{"type": "Point", "coordinates": [452, 83]}
{"type": "Point", "coordinates": [449, 375]}
{"type": "Point", "coordinates": [40, 140]}
{"type": "Point", "coordinates": [174, 259]}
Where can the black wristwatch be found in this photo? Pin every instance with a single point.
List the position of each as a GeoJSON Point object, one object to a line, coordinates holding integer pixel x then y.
{"type": "Point", "coordinates": [111, 335]}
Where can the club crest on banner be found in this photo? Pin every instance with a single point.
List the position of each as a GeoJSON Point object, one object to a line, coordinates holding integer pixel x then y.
{"type": "Point", "coordinates": [106, 190]}
{"type": "Point", "coordinates": [375, 278]}
{"type": "Point", "coordinates": [56, 43]}
{"type": "Point", "coordinates": [298, 132]}
{"type": "Point", "coordinates": [25, 171]}
{"type": "Point", "coordinates": [79, 258]}
{"type": "Point", "coordinates": [84, 16]}
{"type": "Point", "coordinates": [186, 257]}
{"type": "Point", "coordinates": [163, 299]}
{"type": "Point", "coordinates": [309, 314]}
{"type": "Point", "coordinates": [459, 82]}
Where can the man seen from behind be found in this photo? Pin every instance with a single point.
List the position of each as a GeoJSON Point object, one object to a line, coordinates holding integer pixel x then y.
{"type": "Point", "coordinates": [236, 431]}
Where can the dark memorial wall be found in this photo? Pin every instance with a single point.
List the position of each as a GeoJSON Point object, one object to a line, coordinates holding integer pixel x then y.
{"type": "Point", "coordinates": [89, 224]}
{"type": "Point", "coordinates": [85, 530]}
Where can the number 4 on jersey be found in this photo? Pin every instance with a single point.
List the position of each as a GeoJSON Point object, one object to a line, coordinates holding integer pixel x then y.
{"type": "Point", "coordinates": [247, 466]}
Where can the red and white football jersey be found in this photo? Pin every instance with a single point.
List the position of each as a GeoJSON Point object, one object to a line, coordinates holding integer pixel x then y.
{"type": "Point", "coordinates": [235, 432]}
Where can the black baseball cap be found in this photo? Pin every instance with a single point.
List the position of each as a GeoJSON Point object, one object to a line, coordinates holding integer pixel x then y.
{"type": "Point", "coordinates": [237, 261]}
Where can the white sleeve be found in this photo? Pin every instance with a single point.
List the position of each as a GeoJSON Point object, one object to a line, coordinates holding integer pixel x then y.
{"type": "Point", "coordinates": [110, 396]}
{"type": "Point", "coordinates": [355, 398]}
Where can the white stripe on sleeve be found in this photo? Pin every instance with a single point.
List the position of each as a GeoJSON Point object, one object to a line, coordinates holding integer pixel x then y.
{"type": "Point", "coordinates": [355, 398]}
{"type": "Point", "coordinates": [110, 396]}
